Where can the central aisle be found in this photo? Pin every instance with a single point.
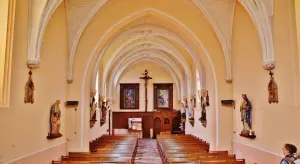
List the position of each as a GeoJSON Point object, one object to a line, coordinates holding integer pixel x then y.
{"type": "Point", "coordinates": [147, 152]}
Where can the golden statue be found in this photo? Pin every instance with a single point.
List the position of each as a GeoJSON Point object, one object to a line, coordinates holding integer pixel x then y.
{"type": "Point", "coordinates": [55, 115]}
{"type": "Point", "coordinates": [272, 89]}
{"type": "Point", "coordinates": [29, 90]}
{"type": "Point", "coordinates": [93, 115]}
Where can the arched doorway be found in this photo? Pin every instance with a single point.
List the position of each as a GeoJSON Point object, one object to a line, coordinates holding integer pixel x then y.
{"type": "Point", "coordinates": [157, 126]}
{"type": "Point", "coordinates": [175, 125]}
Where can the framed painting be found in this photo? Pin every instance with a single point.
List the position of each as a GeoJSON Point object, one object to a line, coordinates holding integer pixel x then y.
{"type": "Point", "coordinates": [129, 95]}
{"type": "Point", "coordinates": [163, 96]}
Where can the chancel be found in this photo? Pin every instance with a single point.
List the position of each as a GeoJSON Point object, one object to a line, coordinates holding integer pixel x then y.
{"type": "Point", "coordinates": [149, 81]}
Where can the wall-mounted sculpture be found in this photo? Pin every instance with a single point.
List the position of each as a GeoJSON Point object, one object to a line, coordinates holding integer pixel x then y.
{"type": "Point", "coordinates": [245, 110]}
{"type": "Point", "coordinates": [207, 98]}
{"type": "Point", "coordinates": [191, 112]}
{"type": "Point", "coordinates": [54, 121]}
{"type": "Point", "coordinates": [183, 109]}
{"type": "Point", "coordinates": [29, 90]}
{"type": "Point", "coordinates": [194, 101]}
{"type": "Point", "coordinates": [204, 103]}
{"type": "Point", "coordinates": [272, 89]}
{"type": "Point", "coordinates": [93, 116]}
{"type": "Point", "coordinates": [104, 109]}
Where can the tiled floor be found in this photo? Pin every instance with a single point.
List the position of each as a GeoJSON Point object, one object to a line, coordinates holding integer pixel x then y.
{"type": "Point", "coordinates": [147, 152]}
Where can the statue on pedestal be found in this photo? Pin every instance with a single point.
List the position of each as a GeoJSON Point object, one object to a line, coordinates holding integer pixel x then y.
{"type": "Point", "coordinates": [104, 108]}
{"type": "Point", "coordinates": [93, 115]}
{"type": "Point", "coordinates": [55, 115]}
{"type": "Point", "coordinates": [204, 103]}
{"type": "Point", "coordinates": [245, 110]}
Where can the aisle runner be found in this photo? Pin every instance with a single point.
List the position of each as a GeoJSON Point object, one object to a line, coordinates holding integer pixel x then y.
{"type": "Point", "coordinates": [147, 152]}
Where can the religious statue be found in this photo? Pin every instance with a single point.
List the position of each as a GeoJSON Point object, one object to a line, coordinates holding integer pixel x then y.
{"type": "Point", "coordinates": [194, 102]}
{"type": "Point", "coordinates": [146, 77]}
{"type": "Point", "coordinates": [183, 111]}
{"type": "Point", "coordinates": [104, 108]}
{"type": "Point", "coordinates": [29, 90]}
{"type": "Point", "coordinates": [207, 98]}
{"type": "Point", "coordinates": [191, 112]}
{"type": "Point", "coordinates": [204, 103]}
{"type": "Point", "coordinates": [245, 110]}
{"type": "Point", "coordinates": [93, 107]}
{"type": "Point", "coordinates": [272, 89]}
{"type": "Point", "coordinates": [55, 115]}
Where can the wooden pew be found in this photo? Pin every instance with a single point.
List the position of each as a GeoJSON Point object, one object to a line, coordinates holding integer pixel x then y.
{"type": "Point", "coordinates": [107, 149]}
{"type": "Point", "coordinates": [189, 149]}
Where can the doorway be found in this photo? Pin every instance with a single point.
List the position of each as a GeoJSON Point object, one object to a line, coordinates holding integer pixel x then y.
{"type": "Point", "coordinates": [147, 120]}
{"type": "Point", "coordinates": [157, 126]}
{"type": "Point", "coordinates": [175, 125]}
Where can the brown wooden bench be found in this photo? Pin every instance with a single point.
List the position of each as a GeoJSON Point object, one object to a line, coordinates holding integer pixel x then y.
{"type": "Point", "coordinates": [106, 149]}
{"type": "Point", "coordinates": [189, 149]}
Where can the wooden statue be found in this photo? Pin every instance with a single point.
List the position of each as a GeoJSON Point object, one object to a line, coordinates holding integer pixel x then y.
{"type": "Point", "coordinates": [207, 98]}
{"type": "Point", "coordinates": [93, 115]}
{"type": "Point", "coordinates": [272, 89]}
{"type": "Point", "coordinates": [29, 90]}
{"type": "Point", "coordinates": [104, 108]}
{"type": "Point", "coordinates": [54, 121]}
{"type": "Point", "coordinates": [204, 103]}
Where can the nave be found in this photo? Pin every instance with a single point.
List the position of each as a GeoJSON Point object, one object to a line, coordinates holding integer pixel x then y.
{"type": "Point", "coordinates": [165, 149]}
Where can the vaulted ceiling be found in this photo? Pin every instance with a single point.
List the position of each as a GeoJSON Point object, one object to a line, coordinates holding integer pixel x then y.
{"type": "Point", "coordinates": [150, 34]}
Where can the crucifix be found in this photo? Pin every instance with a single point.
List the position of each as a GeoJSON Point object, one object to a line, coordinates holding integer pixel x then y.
{"type": "Point", "coordinates": [146, 78]}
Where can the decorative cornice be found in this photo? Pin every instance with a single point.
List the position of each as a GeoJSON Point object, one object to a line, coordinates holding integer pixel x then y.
{"type": "Point", "coordinates": [228, 80]}
{"type": "Point", "coordinates": [69, 80]}
{"type": "Point", "coordinates": [269, 65]}
{"type": "Point", "coordinates": [33, 64]}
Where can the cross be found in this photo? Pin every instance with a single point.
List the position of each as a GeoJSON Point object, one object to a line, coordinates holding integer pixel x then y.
{"type": "Point", "coordinates": [146, 78]}
{"type": "Point", "coordinates": [271, 73]}
{"type": "Point", "coordinates": [30, 73]}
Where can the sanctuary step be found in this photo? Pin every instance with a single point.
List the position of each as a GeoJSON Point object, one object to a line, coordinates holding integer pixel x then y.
{"type": "Point", "coordinates": [147, 152]}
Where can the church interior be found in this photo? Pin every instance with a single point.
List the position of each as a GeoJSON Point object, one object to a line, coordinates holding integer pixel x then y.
{"type": "Point", "coordinates": [149, 81]}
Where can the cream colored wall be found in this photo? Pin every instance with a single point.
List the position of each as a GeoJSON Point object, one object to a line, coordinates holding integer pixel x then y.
{"type": "Point", "coordinates": [274, 124]}
{"type": "Point", "coordinates": [24, 127]}
{"type": "Point", "coordinates": [133, 74]}
{"type": "Point", "coordinates": [3, 30]}
{"type": "Point", "coordinates": [207, 133]}
{"type": "Point", "coordinates": [297, 9]}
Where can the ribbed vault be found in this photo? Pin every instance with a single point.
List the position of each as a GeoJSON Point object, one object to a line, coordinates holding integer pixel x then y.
{"type": "Point", "coordinates": [218, 14]}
